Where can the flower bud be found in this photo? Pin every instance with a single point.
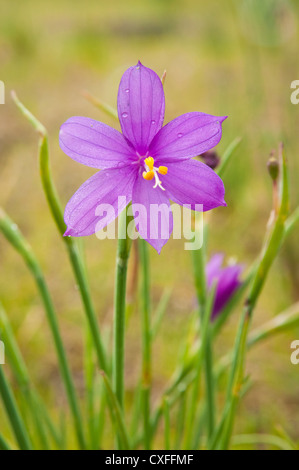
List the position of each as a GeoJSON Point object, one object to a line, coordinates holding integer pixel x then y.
{"type": "Point", "coordinates": [273, 167]}
{"type": "Point", "coordinates": [211, 158]}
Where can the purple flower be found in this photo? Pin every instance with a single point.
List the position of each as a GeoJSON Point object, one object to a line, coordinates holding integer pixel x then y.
{"type": "Point", "coordinates": [147, 164]}
{"type": "Point", "coordinates": [227, 281]}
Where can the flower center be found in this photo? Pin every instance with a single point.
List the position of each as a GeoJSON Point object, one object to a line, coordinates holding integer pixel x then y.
{"type": "Point", "coordinates": [152, 172]}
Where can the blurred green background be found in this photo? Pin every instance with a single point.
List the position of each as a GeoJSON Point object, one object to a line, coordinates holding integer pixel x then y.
{"type": "Point", "coordinates": [235, 58]}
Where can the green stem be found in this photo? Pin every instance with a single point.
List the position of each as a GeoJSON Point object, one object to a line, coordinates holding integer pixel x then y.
{"type": "Point", "coordinates": [180, 420]}
{"type": "Point", "coordinates": [269, 252]}
{"type": "Point", "coordinates": [13, 413]}
{"type": "Point", "coordinates": [89, 369]}
{"type": "Point", "coordinates": [291, 222]}
{"type": "Point", "coordinates": [261, 439]}
{"type": "Point", "coordinates": [201, 289]}
{"type": "Point", "coordinates": [123, 250]}
{"type": "Point", "coordinates": [146, 342]}
{"type": "Point", "coordinates": [205, 328]}
{"type": "Point", "coordinates": [14, 236]}
{"type": "Point", "coordinates": [106, 108]}
{"type": "Point", "coordinates": [166, 424]}
{"type": "Point", "coordinates": [57, 213]}
{"type": "Point", "coordinates": [4, 444]}
{"type": "Point", "coordinates": [117, 414]}
{"type": "Point", "coordinates": [227, 155]}
{"type": "Point", "coordinates": [210, 382]}
{"type": "Point", "coordinates": [21, 373]}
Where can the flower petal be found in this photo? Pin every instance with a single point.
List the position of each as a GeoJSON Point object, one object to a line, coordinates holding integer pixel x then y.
{"type": "Point", "coordinates": [141, 106]}
{"type": "Point", "coordinates": [227, 284]}
{"type": "Point", "coordinates": [152, 213]}
{"type": "Point", "coordinates": [94, 144]}
{"type": "Point", "coordinates": [99, 201]}
{"type": "Point", "coordinates": [185, 137]}
{"type": "Point", "coordinates": [192, 182]}
{"type": "Point", "coordinates": [213, 268]}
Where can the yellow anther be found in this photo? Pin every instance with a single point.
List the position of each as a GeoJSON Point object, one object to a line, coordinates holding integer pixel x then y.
{"type": "Point", "coordinates": [149, 161]}
{"type": "Point", "coordinates": [148, 175]}
{"type": "Point", "coordinates": [163, 170]}
{"type": "Point", "coordinates": [152, 172]}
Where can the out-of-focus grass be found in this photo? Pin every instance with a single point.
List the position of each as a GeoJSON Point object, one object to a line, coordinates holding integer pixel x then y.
{"type": "Point", "coordinates": [231, 59]}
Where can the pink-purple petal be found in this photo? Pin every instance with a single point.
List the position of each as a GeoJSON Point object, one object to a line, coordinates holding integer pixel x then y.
{"type": "Point", "coordinates": [227, 281]}
{"type": "Point", "coordinates": [141, 106]}
{"type": "Point", "coordinates": [99, 201]}
{"type": "Point", "coordinates": [186, 136]}
{"type": "Point", "coordinates": [192, 182]}
{"type": "Point", "coordinates": [213, 268]}
{"type": "Point", "coordinates": [94, 144]}
{"type": "Point", "coordinates": [152, 213]}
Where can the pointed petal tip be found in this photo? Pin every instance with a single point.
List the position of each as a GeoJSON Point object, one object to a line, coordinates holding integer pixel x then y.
{"type": "Point", "coordinates": [157, 246]}
{"type": "Point", "coordinates": [68, 232]}
{"type": "Point", "coordinates": [223, 118]}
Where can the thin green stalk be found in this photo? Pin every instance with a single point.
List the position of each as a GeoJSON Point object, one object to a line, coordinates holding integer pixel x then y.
{"type": "Point", "coordinates": [173, 398]}
{"type": "Point", "coordinates": [4, 444]}
{"type": "Point", "coordinates": [261, 439]}
{"type": "Point", "coordinates": [106, 108]}
{"type": "Point", "coordinates": [89, 369]}
{"type": "Point", "coordinates": [13, 413]}
{"type": "Point", "coordinates": [57, 213]}
{"type": "Point", "coordinates": [198, 258]}
{"type": "Point", "coordinates": [210, 385]}
{"type": "Point", "coordinates": [135, 411]}
{"type": "Point", "coordinates": [160, 312]}
{"type": "Point", "coordinates": [102, 414]}
{"type": "Point", "coordinates": [180, 420]}
{"type": "Point", "coordinates": [14, 236]}
{"type": "Point", "coordinates": [166, 424]}
{"type": "Point", "coordinates": [44, 415]}
{"type": "Point", "coordinates": [117, 414]}
{"type": "Point", "coordinates": [21, 373]}
{"type": "Point", "coordinates": [227, 155]}
{"type": "Point", "coordinates": [200, 424]}
{"type": "Point", "coordinates": [123, 250]}
{"type": "Point", "coordinates": [282, 322]}
{"type": "Point", "coordinates": [146, 343]}
{"type": "Point", "coordinates": [239, 366]}
{"type": "Point", "coordinates": [205, 326]}
{"type": "Point", "coordinates": [270, 250]}
{"type": "Point", "coordinates": [201, 289]}
{"type": "Point", "coordinates": [291, 222]}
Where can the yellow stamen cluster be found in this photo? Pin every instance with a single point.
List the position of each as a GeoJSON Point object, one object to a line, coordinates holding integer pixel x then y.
{"type": "Point", "coordinates": [148, 175]}
{"type": "Point", "coordinates": [163, 170]}
{"type": "Point", "coordinates": [149, 161]}
{"type": "Point", "coordinates": [152, 171]}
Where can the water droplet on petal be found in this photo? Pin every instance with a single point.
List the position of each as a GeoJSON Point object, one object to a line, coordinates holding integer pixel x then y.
{"type": "Point", "coordinates": [124, 115]}
{"type": "Point", "coordinates": [127, 90]}
{"type": "Point", "coordinates": [153, 122]}
{"type": "Point", "coordinates": [180, 135]}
